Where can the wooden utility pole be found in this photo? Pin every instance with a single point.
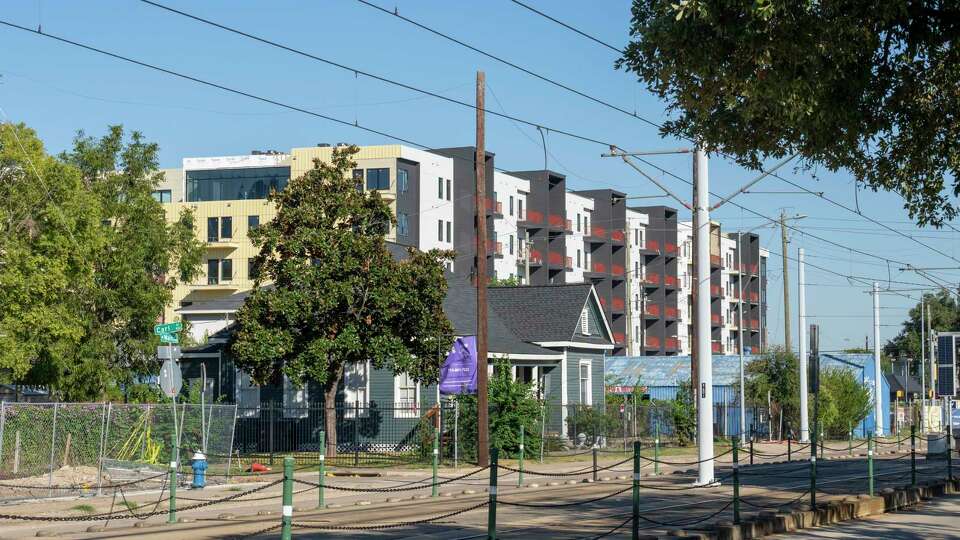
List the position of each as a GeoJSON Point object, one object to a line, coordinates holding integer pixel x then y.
{"type": "Point", "coordinates": [786, 282]}
{"type": "Point", "coordinates": [480, 169]}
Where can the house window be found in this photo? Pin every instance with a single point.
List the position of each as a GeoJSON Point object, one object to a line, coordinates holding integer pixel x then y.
{"type": "Point", "coordinates": [294, 400]}
{"type": "Point", "coordinates": [586, 392]}
{"type": "Point", "coordinates": [402, 180]}
{"type": "Point", "coordinates": [511, 244]}
{"type": "Point", "coordinates": [252, 223]}
{"type": "Point", "coordinates": [161, 195]}
{"type": "Point", "coordinates": [448, 189]}
{"type": "Point", "coordinates": [578, 221]}
{"type": "Point", "coordinates": [378, 179]}
{"type": "Point", "coordinates": [247, 396]}
{"type": "Point", "coordinates": [226, 270]}
{"type": "Point", "coordinates": [449, 228]}
{"type": "Point", "coordinates": [511, 205]}
{"type": "Point", "coordinates": [584, 322]}
{"type": "Point", "coordinates": [219, 271]}
{"type": "Point", "coordinates": [440, 230]}
{"type": "Point", "coordinates": [358, 179]}
{"type": "Point", "coordinates": [253, 269]}
{"type": "Point", "coordinates": [356, 389]}
{"type": "Point", "coordinates": [406, 396]}
{"type": "Point", "coordinates": [403, 225]}
{"type": "Point", "coordinates": [440, 188]}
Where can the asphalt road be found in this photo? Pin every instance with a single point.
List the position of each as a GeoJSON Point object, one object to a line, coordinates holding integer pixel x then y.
{"type": "Point", "coordinates": [561, 506]}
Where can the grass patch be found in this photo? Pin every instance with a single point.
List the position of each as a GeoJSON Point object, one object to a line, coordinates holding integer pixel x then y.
{"type": "Point", "coordinates": [84, 508]}
{"type": "Point", "coordinates": [131, 505]}
{"type": "Point", "coordinates": [235, 488]}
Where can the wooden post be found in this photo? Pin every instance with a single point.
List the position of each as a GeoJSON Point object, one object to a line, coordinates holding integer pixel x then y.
{"type": "Point", "coordinates": [16, 453]}
{"type": "Point", "coordinates": [480, 168]}
{"type": "Point", "coordinates": [66, 451]}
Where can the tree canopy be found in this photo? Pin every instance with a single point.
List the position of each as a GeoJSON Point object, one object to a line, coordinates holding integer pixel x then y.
{"type": "Point", "coordinates": [336, 296]}
{"type": "Point", "coordinates": [944, 317]}
{"type": "Point", "coordinates": [870, 87]}
{"type": "Point", "coordinates": [89, 262]}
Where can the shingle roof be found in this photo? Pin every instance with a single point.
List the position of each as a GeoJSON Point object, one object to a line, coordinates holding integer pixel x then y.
{"type": "Point", "coordinates": [542, 313]}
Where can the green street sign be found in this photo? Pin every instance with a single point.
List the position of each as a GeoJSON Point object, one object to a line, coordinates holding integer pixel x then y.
{"type": "Point", "coordinates": [168, 328]}
{"type": "Point", "coordinates": [169, 338]}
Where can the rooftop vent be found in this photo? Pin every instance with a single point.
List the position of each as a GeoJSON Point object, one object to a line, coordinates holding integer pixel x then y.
{"type": "Point", "coordinates": [323, 145]}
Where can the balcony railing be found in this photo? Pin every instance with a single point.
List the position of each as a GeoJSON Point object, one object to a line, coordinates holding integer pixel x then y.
{"type": "Point", "coordinates": [534, 216]}
{"type": "Point", "coordinates": [716, 290]}
{"type": "Point", "coordinates": [716, 347]}
{"type": "Point", "coordinates": [652, 309]}
{"type": "Point", "coordinates": [494, 206]}
{"type": "Point", "coordinates": [599, 268]}
{"type": "Point", "coordinates": [671, 312]}
{"type": "Point", "coordinates": [536, 257]}
{"type": "Point", "coordinates": [603, 302]}
{"type": "Point", "coordinates": [670, 249]}
{"type": "Point", "coordinates": [754, 297]}
{"type": "Point", "coordinates": [619, 338]}
{"type": "Point", "coordinates": [616, 269]}
{"type": "Point", "coordinates": [754, 324]}
{"type": "Point", "coordinates": [715, 260]}
{"type": "Point", "coordinates": [616, 236]}
{"type": "Point", "coordinates": [715, 319]}
{"type": "Point", "coordinates": [555, 258]}
{"type": "Point", "coordinates": [670, 281]}
{"type": "Point", "coordinates": [672, 343]}
{"type": "Point", "coordinates": [653, 245]}
{"type": "Point", "coordinates": [652, 342]}
{"type": "Point", "coordinates": [618, 304]}
{"type": "Point", "coordinates": [556, 220]}
{"type": "Point", "coordinates": [652, 278]}
{"type": "Point", "coordinates": [597, 231]}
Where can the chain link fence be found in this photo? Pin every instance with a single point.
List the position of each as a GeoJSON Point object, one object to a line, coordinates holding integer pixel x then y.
{"type": "Point", "coordinates": [53, 449]}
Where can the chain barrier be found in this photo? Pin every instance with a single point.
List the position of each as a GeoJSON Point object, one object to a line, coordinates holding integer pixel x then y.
{"type": "Point", "coordinates": [847, 449]}
{"type": "Point", "coordinates": [613, 530]}
{"type": "Point", "coordinates": [75, 486]}
{"type": "Point", "coordinates": [895, 441]}
{"type": "Point", "coordinates": [390, 489]}
{"type": "Point", "coordinates": [578, 472]}
{"type": "Point", "coordinates": [653, 460]}
{"type": "Point", "coordinates": [683, 523]}
{"type": "Point", "coordinates": [391, 525]}
{"type": "Point", "coordinates": [564, 505]}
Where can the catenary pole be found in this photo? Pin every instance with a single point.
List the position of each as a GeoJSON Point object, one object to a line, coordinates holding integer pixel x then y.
{"type": "Point", "coordinates": [923, 364]}
{"type": "Point", "coordinates": [480, 169]}
{"type": "Point", "coordinates": [743, 390]}
{"type": "Point", "coordinates": [877, 374]}
{"type": "Point", "coordinates": [802, 306]}
{"type": "Point", "coordinates": [786, 282]}
{"type": "Point", "coordinates": [704, 358]}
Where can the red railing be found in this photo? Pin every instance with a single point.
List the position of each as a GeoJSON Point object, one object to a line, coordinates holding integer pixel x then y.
{"type": "Point", "coordinates": [599, 268]}
{"type": "Point", "coordinates": [715, 260]}
{"type": "Point", "coordinates": [652, 310]}
{"type": "Point", "coordinates": [492, 204]}
{"type": "Point", "coordinates": [536, 257]}
{"type": "Point", "coordinates": [752, 267]}
{"type": "Point", "coordinates": [619, 338]}
{"type": "Point", "coordinates": [598, 231]}
{"type": "Point", "coordinates": [616, 269]}
{"type": "Point", "coordinates": [716, 290]}
{"type": "Point", "coordinates": [618, 304]}
{"type": "Point", "coordinates": [534, 216]}
{"type": "Point", "coordinates": [673, 343]}
{"type": "Point", "coordinates": [754, 297]}
{"type": "Point", "coordinates": [653, 245]}
{"type": "Point", "coordinates": [715, 319]}
{"type": "Point", "coordinates": [670, 281]}
{"type": "Point", "coordinates": [754, 324]}
{"type": "Point", "coordinates": [670, 248]}
{"type": "Point", "coordinates": [652, 342]}
{"type": "Point", "coordinates": [734, 293]}
{"type": "Point", "coordinates": [652, 278]}
{"type": "Point", "coordinates": [616, 236]}
{"type": "Point", "coordinates": [715, 347]}
{"type": "Point", "coordinates": [555, 220]}
{"type": "Point", "coordinates": [671, 312]}
{"type": "Point", "coordinates": [554, 258]}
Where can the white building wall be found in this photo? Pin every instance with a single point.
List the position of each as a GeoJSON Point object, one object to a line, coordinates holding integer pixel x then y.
{"type": "Point", "coordinates": [579, 210]}
{"type": "Point", "coordinates": [509, 191]}
{"type": "Point", "coordinates": [728, 248]}
{"type": "Point", "coordinates": [684, 269]}
{"type": "Point", "coordinates": [432, 207]}
{"type": "Point", "coordinates": [636, 225]}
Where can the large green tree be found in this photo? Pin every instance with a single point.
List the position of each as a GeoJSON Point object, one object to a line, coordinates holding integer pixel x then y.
{"type": "Point", "coordinates": [844, 401]}
{"type": "Point", "coordinates": [336, 296]}
{"type": "Point", "coordinates": [89, 262]}
{"type": "Point", "coordinates": [868, 86]}
{"type": "Point", "coordinates": [775, 373]}
{"type": "Point", "coordinates": [944, 316]}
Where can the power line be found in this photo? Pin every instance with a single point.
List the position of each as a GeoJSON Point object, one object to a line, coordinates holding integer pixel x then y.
{"type": "Point", "coordinates": [568, 27]}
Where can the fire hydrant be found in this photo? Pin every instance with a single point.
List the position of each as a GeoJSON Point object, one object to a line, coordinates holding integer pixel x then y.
{"type": "Point", "coordinates": [199, 470]}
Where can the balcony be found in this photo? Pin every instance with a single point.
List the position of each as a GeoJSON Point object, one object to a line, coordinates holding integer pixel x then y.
{"type": "Point", "coordinates": [733, 294]}
{"type": "Point", "coordinates": [616, 270]}
{"type": "Point", "coordinates": [652, 279]}
{"type": "Point", "coordinates": [224, 244]}
{"type": "Point", "coordinates": [494, 207]}
{"type": "Point", "coordinates": [498, 250]}
{"type": "Point", "coordinates": [671, 282]}
{"type": "Point", "coordinates": [652, 342]}
{"type": "Point", "coordinates": [755, 325]}
{"type": "Point", "coordinates": [754, 297]}
{"type": "Point", "coordinates": [651, 311]}
{"type": "Point", "coordinates": [716, 320]}
{"type": "Point", "coordinates": [599, 268]}
{"type": "Point", "coordinates": [619, 338]}
{"type": "Point", "coordinates": [716, 291]}
{"type": "Point", "coordinates": [673, 344]}
{"type": "Point", "coordinates": [536, 258]}
{"type": "Point", "coordinates": [652, 246]}
{"type": "Point", "coordinates": [555, 259]}
{"type": "Point", "coordinates": [670, 250]}
{"type": "Point", "coordinates": [671, 313]}
{"type": "Point", "coordinates": [532, 220]}
{"type": "Point", "coordinates": [215, 285]}
{"type": "Point", "coordinates": [716, 261]}
{"type": "Point", "coordinates": [716, 347]}
{"type": "Point", "coordinates": [556, 222]}
{"type": "Point", "coordinates": [596, 233]}
{"type": "Point", "coordinates": [617, 236]}
{"type": "Point", "coordinates": [618, 305]}
{"type": "Point", "coordinates": [568, 263]}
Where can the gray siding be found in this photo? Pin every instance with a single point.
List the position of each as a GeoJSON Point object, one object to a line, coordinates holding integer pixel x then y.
{"type": "Point", "coordinates": [596, 376]}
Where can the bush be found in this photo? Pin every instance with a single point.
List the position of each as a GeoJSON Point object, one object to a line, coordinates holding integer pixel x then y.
{"type": "Point", "coordinates": [593, 422]}
{"type": "Point", "coordinates": [683, 412]}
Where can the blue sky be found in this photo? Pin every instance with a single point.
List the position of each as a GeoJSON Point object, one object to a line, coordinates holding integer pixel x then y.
{"type": "Point", "coordinates": [58, 89]}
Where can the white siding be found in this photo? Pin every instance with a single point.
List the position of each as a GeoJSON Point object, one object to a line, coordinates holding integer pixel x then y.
{"type": "Point", "coordinates": [433, 209]}
{"type": "Point", "coordinates": [509, 187]}
{"type": "Point", "coordinates": [577, 205]}
{"type": "Point", "coordinates": [636, 223]}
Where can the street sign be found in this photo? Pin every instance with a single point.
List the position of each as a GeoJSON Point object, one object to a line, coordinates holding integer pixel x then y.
{"type": "Point", "coordinates": [171, 380]}
{"type": "Point", "coordinates": [168, 328]}
{"type": "Point", "coordinates": [169, 338]}
{"type": "Point", "coordinates": [165, 352]}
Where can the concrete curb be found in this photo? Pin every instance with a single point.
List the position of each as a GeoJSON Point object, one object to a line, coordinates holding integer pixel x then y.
{"type": "Point", "coordinates": [889, 500]}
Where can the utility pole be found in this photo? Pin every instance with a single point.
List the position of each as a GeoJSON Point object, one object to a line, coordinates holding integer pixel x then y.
{"type": "Point", "coordinates": [786, 282]}
{"type": "Point", "coordinates": [923, 363]}
{"type": "Point", "coordinates": [743, 390]}
{"type": "Point", "coordinates": [877, 387]}
{"type": "Point", "coordinates": [527, 244]}
{"type": "Point", "coordinates": [694, 353]}
{"type": "Point", "coordinates": [932, 358]}
{"type": "Point", "coordinates": [704, 353]}
{"type": "Point", "coordinates": [480, 169]}
{"type": "Point", "coordinates": [804, 417]}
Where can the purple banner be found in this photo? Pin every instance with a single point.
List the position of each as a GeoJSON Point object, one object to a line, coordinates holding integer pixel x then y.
{"type": "Point", "coordinates": [458, 375]}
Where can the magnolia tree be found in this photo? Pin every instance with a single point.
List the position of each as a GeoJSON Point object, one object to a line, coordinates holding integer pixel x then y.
{"type": "Point", "coordinates": [330, 294]}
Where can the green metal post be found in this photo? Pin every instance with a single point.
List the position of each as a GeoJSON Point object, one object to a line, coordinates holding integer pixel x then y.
{"type": "Point", "coordinates": [913, 455]}
{"type": "Point", "coordinates": [594, 463]}
{"type": "Point", "coordinates": [323, 467]}
{"type": "Point", "coordinates": [736, 481]}
{"type": "Point", "coordinates": [656, 451]}
{"type": "Point", "coordinates": [949, 450]}
{"type": "Point", "coordinates": [850, 441]}
{"type": "Point", "coordinates": [870, 463]}
{"type": "Point", "coordinates": [636, 491]}
{"type": "Point", "coordinates": [492, 505]}
{"type": "Point", "coordinates": [751, 447]}
{"type": "Point", "coordinates": [821, 445]}
{"type": "Point", "coordinates": [813, 470]}
{"type": "Point", "coordinates": [789, 449]}
{"type": "Point", "coordinates": [286, 511]}
{"type": "Point", "coordinates": [520, 475]}
{"type": "Point", "coordinates": [172, 514]}
{"type": "Point", "coordinates": [436, 458]}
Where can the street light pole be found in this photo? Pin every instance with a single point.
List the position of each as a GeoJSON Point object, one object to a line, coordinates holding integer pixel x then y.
{"type": "Point", "coordinates": [743, 407]}
{"type": "Point", "coordinates": [802, 304]}
{"type": "Point", "coordinates": [704, 353]}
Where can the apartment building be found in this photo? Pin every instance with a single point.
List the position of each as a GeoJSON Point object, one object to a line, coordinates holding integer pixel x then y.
{"type": "Point", "coordinates": [659, 288]}
{"type": "Point", "coordinates": [636, 231]}
{"type": "Point", "coordinates": [228, 197]}
{"type": "Point", "coordinates": [546, 224]}
{"type": "Point", "coordinates": [580, 214]}
{"type": "Point", "coordinates": [509, 202]}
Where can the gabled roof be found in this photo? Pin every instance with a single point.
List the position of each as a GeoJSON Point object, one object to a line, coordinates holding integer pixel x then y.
{"type": "Point", "coordinates": [546, 313]}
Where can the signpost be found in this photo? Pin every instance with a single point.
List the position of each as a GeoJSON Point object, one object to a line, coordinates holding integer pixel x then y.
{"type": "Point", "coordinates": [171, 382]}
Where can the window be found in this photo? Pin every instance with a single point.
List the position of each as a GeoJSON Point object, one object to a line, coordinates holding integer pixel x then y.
{"type": "Point", "coordinates": [161, 195]}
{"type": "Point", "coordinates": [235, 184]}
{"type": "Point", "coordinates": [636, 236]}
{"type": "Point", "coordinates": [584, 322]}
{"type": "Point", "coordinates": [440, 188]}
{"type": "Point", "coordinates": [636, 268]}
{"type": "Point", "coordinates": [511, 205]}
{"type": "Point", "coordinates": [226, 227]}
{"type": "Point", "coordinates": [402, 180]}
{"type": "Point", "coordinates": [406, 396]}
{"type": "Point", "coordinates": [586, 223]}
{"type": "Point", "coordinates": [640, 235]}
{"type": "Point", "coordinates": [636, 304]}
{"type": "Point", "coordinates": [586, 392]}
{"type": "Point", "coordinates": [440, 230]}
{"type": "Point", "coordinates": [247, 396]}
{"type": "Point", "coordinates": [520, 213]}
{"type": "Point", "coordinates": [226, 270]}
{"type": "Point", "coordinates": [448, 189]}
{"type": "Point", "coordinates": [358, 179]}
{"type": "Point", "coordinates": [403, 225]}
{"type": "Point", "coordinates": [213, 229]}
{"type": "Point", "coordinates": [578, 221]}
{"type": "Point", "coordinates": [219, 271]}
{"type": "Point", "coordinates": [253, 269]}
{"type": "Point", "coordinates": [378, 179]}
{"type": "Point", "coordinates": [294, 400]}
{"type": "Point", "coordinates": [356, 389]}
{"type": "Point", "coordinates": [252, 223]}
{"type": "Point", "coordinates": [578, 258]}
{"type": "Point", "coordinates": [511, 244]}
{"type": "Point", "coordinates": [449, 227]}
